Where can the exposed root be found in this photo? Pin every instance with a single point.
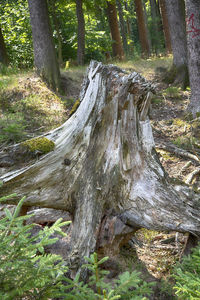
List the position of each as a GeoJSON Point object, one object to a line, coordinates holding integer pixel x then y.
{"type": "Point", "coordinates": [191, 176]}
{"type": "Point", "coordinates": [178, 152]}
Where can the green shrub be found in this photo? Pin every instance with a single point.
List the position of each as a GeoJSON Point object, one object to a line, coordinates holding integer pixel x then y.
{"type": "Point", "coordinates": [157, 100]}
{"type": "Point", "coordinates": [128, 286]}
{"type": "Point", "coordinates": [26, 272]}
{"type": "Point", "coordinates": [186, 143]}
{"type": "Point", "coordinates": [187, 275]}
{"type": "Point", "coordinates": [172, 91]}
{"type": "Point", "coordinates": [12, 127]}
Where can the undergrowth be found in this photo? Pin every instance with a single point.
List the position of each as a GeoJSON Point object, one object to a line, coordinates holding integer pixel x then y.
{"type": "Point", "coordinates": [187, 276]}
{"type": "Point", "coordinates": [27, 272]}
{"type": "Point", "coordinates": [27, 107]}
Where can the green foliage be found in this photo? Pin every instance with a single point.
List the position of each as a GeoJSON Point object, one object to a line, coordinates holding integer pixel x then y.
{"type": "Point", "coordinates": [4, 70]}
{"type": "Point", "coordinates": [147, 235]}
{"type": "Point", "coordinates": [12, 128]}
{"type": "Point", "coordinates": [166, 289]}
{"type": "Point", "coordinates": [185, 142]}
{"type": "Point", "coordinates": [187, 275]}
{"type": "Point", "coordinates": [16, 29]}
{"type": "Point", "coordinates": [26, 105]}
{"type": "Point", "coordinates": [128, 286]}
{"type": "Point", "coordinates": [26, 271]}
{"type": "Point", "coordinates": [157, 100]}
{"type": "Point", "coordinates": [172, 91]}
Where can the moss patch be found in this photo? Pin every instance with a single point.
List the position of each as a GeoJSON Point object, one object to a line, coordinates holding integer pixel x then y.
{"type": "Point", "coordinates": [41, 144]}
{"type": "Point", "coordinates": [74, 108]}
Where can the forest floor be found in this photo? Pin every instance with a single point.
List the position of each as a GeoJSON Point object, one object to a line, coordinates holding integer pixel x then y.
{"type": "Point", "coordinates": [28, 109]}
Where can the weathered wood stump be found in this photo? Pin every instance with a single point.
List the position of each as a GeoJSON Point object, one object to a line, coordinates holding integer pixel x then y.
{"type": "Point", "coordinates": [104, 169]}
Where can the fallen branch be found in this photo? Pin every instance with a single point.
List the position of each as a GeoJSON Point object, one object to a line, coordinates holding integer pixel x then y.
{"type": "Point", "coordinates": [178, 152]}
{"type": "Point", "coordinates": [191, 176]}
{"type": "Point", "coordinates": [187, 165]}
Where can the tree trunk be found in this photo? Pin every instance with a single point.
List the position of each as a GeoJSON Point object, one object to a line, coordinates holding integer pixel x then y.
{"type": "Point", "coordinates": [3, 52]}
{"type": "Point", "coordinates": [127, 19]}
{"type": "Point", "coordinates": [122, 25]}
{"type": "Point", "coordinates": [57, 28]}
{"type": "Point", "coordinates": [193, 39]}
{"type": "Point", "coordinates": [177, 27]}
{"type": "Point", "coordinates": [155, 26]}
{"type": "Point", "coordinates": [44, 51]}
{"type": "Point", "coordinates": [81, 32]}
{"type": "Point", "coordinates": [146, 24]}
{"type": "Point", "coordinates": [104, 169]}
{"type": "Point", "coordinates": [143, 36]}
{"type": "Point", "coordinates": [165, 26]}
{"type": "Point", "coordinates": [114, 30]}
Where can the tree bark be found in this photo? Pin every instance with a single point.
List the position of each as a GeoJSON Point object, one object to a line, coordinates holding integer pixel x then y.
{"type": "Point", "coordinates": [165, 26]}
{"type": "Point", "coordinates": [114, 30]}
{"type": "Point", "coordinates": [155, 26]}
{"type": "Point", "coordinates": [122, 25]}
{"type": "Point", "coordinates": [3, 52]}
{"type": "Point", "coordinates": [44, 51]}
{"type": "Point", "coordinates": [127, 19]}
{"type": "Point", "coordinates": [146, 24]}
{"type": "Point", "coordinates": [104, 170]}
{"type": "Point", "coordinates": [193, 40]}
{"type": "Point", "coordinates": [57, 28]}
{"type": "Point", "coordinates": [177, 27]}
{"type": "Point", "coordinates": [143, 36]}
{"type": "Point", "coordinates": [81, 32]}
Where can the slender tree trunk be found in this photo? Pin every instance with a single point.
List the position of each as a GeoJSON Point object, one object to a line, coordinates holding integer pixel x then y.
{"type": "Point", "coordinates": [155, 25]}
{"type": "Point", "coordinates": [143, 36]}
{"type": "Point", "coordinates": [104, 170]}
{"type": "Point", "coordinates": [165, 26]}
{"type": "Point", "coordinates": [122, 25]}
{"type": "Point", "coordinates": [3, 52]}
{"type": "Point", "coordinates": [127, 19]}
{"type": "Point", "coordinates": [146, 24]}
{"type": "Point", "coordinates": [193, 40]}
{"type": "Point", "coordinates": [117, 47]}
{"type": "Point", "coordinates": [129, 28]}
{"type": "Point", "coordinates": [57, 28]}
{"type": "Point", "coordinates": [177, 27]}
{"type": "Point", "coordinates": [44, 51]}
{"type": "Point", "coordinates": [81, 32]}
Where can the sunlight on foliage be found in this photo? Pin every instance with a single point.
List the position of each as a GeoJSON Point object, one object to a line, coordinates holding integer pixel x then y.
{"type": "Point", "coordinates": [187, 275]}
{"type": "Point", "coordinates": [172, 92]}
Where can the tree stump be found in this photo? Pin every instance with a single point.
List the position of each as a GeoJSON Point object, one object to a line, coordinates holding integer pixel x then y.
{"type": "Point", "coordinates": [104, 170]}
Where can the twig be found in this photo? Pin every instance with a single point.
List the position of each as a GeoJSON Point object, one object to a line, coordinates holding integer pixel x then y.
{"type": "Point", "coordinates": [178, 152]}
{"type": "Point", "coordinates": [187, 165]}
{"type": "Point", "coordinates": [191, 176]}
{"type": "Point", "coordinates": [195, 120]}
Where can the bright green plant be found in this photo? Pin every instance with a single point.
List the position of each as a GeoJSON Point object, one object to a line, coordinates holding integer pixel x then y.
{"type": "Point", "coordinates": [172, 91]}
{"type": "Point", "coordinates": [187, 275]}
{"type": "Point", "coordinates": [16, 29]}
{"type": "Point", "coordinates": [26, 272]}
{"type": "Point", "coordinates": [157, 100]}
{"type": "Point", "coordinates": [12, 128]}
{"type": "Point", "coordinates": [186, 142]}
{"type": "Point", "coordinates": [128, 286]}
